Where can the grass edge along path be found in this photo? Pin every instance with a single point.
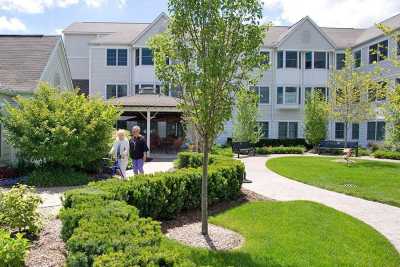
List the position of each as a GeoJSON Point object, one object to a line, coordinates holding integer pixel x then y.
{"type": "Point", "coordinates": [372, 180]}
{"type": "Point", "coordinates": [295, 233]}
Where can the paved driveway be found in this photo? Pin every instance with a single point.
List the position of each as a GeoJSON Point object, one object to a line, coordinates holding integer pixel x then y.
{"type": "Point", "coordinates": [384, 218]}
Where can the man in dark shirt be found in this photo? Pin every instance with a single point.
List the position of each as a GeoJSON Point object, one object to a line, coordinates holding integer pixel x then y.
{"type": "Point", "coordinates": [138, 149]}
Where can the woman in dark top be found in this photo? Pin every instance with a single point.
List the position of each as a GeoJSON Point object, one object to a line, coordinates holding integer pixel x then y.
{"type": "Point", "coordinates": [138, 149]}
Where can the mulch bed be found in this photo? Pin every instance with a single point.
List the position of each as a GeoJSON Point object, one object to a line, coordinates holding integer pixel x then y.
{"type": "Point", "coordinates": [49, 250]}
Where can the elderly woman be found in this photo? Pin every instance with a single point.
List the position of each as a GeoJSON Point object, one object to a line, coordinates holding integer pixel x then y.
{"type": "Point", "coordinates": [120, 151]}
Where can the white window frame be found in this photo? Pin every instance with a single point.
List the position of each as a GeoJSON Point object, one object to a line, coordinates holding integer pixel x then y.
{"type": "Point", "coordinates": [258, 93]}
{"type": "Point", "coordinates": [376, 130]}
{"type": "Point", "coordinates": [284, 94]}
{"type": "Point", "coordinates": [287, 130]}
{"type": "Point", "coordinates": [269, 129]}
{"type": "Point", "coordinates": [313, 89]}
{"type": "Point", "coordinates": [149, 83]}
{"type": "Point", "coordinates": [118, 66]}
{"type": "Point", "coordinates": [378, 52]}
{"type": "Point", "coordinates": [116, 89]}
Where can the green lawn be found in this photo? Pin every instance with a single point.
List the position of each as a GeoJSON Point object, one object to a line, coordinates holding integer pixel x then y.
{"type": "Point", "coordinates": [296, 233]}
{"type": "Point", "coordinates": [373, 180]}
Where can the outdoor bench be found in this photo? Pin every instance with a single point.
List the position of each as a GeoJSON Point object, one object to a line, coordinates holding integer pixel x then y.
{"type": "Point", "coordinates": [337, 145]}
{"type": "Point", "coordinates": [243, 148]}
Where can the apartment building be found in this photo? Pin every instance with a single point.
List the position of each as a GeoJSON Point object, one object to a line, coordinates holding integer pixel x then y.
{"type": "Point", "coordinates": [111, 60]}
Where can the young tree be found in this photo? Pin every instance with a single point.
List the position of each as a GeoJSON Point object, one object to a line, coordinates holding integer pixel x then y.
{"type": "Point", "coordinates": [59, 128]}
{"type": "Point", "coordinates": [353, 93]}
{"type": "Point", "coordinates": [392, 110]}
{"type": "Point", "coordinates": [245, 126]}
{"type": "Point", "coordinates": [315, 118]}
{"type": "Point", "coordinates": [214, 47]}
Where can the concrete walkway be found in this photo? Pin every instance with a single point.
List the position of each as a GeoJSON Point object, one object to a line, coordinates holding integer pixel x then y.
{"type": "Point", "coordinates": [384, 218]}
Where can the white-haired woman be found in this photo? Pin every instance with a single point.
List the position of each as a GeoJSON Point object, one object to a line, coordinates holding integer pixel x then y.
{"type": "Point", "coordinates": [120, 151]}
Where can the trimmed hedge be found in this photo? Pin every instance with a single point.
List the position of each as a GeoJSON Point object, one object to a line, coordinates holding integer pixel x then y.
{"type": "Point", "coordinates": [50, 177]}
{"type": "Point", "coordinates": [280, 150]}
{"type": "Point", "coordinates": [386, 154]}
{"type": "Point", "coordinates": [282, 142]}
{"type": "Point", "coordinates": [103, 223]}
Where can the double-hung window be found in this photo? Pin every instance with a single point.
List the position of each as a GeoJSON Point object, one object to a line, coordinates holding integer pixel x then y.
{"type": "Point", "coordinates": [147, 56]}
{"type": "Point", "coordinates": [376, 130]}
{"type": "Point", "coordinates": [378, 52]}
{"type": "Point", "coordinates": [340, 57]}
{"type": "Point", "coordinates": [339, 130]}
{"type": "Point", "coordinates": [308, 60]}
{"type": "Point", "coordinates": [355, 131]}
{"type": "Point", "coordinates": [266, 57]}
{"type": "Point", "coordinates": [320, 60]}
{"type": "Point", "coordinates": [280, 60]}
{"type": "Point", "coordinates": [357, 59]}
{"type": "Point", "coordinates": [322, 91]}
{"type": "Point", "coordinates": [288, 95]}
{"type": "Point", "coordinates": [264, 126]}
{"type": "Point", "coordinates": [116, 90]}
{"type": "Point", "coordinates": [287, 130]}
{"type": "Point", "coordinates": [117, 57]}
{"type": "Point", "coordinates": [263, 94]}
{"type": "Point", "coordinates": [291, 59]}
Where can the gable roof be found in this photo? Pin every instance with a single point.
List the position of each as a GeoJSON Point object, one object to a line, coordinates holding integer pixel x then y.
{"type": "Point", "coordinates": [127, 33]}
{"type": "Point", "coordinates": [23, 59]}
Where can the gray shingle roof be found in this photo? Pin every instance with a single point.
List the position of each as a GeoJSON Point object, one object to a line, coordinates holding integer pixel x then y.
{"type": "Point", "coordinates": [103, 27]}
{"type": "Point", "coordinates": [373, 32]}
{"type": "Point", "coordinates": [23, 59]}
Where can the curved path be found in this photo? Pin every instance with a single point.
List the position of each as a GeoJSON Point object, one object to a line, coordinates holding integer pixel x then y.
{"type": "Point", "coordinates": [384, 218]}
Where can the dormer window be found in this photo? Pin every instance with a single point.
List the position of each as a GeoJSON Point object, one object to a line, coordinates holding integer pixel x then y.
{"type": "Point", "coordinates": [117, 57]}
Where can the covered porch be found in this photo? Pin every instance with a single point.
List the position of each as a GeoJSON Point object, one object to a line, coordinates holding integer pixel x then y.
{"type": "Point", "coordinates": [158, 118]}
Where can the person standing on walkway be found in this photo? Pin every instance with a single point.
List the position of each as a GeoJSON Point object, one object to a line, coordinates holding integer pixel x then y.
{"type": "Point", "coordinates": [120, 151]}
{"type": "Point", "coordinates": [138, 150]}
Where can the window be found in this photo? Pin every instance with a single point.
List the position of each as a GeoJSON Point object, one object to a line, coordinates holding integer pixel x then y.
{"type": "Point", "coordinates": [378, 94]}
{"type": "Point", "coordinates": [117, 57]}
{"type": "Point", "coordinates": [378, 52]}
{"type": "Point", "coordinates": [323, 91]}
{"type": "Point", "coordinates": [111, 57]}
{"type": "Point", "coordinates": [266, 54]}
{"type": "Point", "coordinates": [287, 130]}
{"type": "Point", "coordinates": [147, 56]}
{"type": "Point", "coordinates": [355, 131]}
{"type": "Point", "coordinates": [280, 59]}
{"type": "Point", "coordinates": [176, 92]}
{"type": "Point", "coordinates": [300, 60]}
{"type": "Point", "coordinates": [398, 81]}
{"type": "Point", "coordinates": [288, 95]}
{"type": "Point", "coordinates": [147, 89]}
{"type": "Point", "coordinates": [263, 93]}
{"type": "Point", "coordinates": [357, 59]}
{"type": "Point", "coordinates": [308, 60]}
{"type": "Point", "coordinates": [279, 95]}
{"type": "Point", "coordinates": [291, 59]}
{"type": "Point", "coordinates": [307, 93]}
{"type": "Point", "coordinates": [116, 90]}
{"type": "Point", "coordinates": [339, 130]}
{"type": "Point", "coordinates": [264, 126]}
{"type": "Point", "coordinates": [137, 56]}
{"type": "Point", "coordinates": [320, 60]}
{"type": "Point", "coordinates": [340, 61]}
{"type": "Point", "coordinates": [376, 130]}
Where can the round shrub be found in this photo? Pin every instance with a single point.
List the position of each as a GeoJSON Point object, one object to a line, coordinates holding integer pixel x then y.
{"type": "Point", "coordinates": [12, 250]}
{"type": "Point", "coordinates": [60, 128]}
{"type": "Point", "coordinates": [18, 210]}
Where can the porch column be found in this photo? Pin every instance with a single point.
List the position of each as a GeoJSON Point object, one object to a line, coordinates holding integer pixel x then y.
{"type": "Point", "coordinates": [148, 131]}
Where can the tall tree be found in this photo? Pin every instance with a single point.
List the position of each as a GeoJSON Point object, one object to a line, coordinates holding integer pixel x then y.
{"type": "Point", "coordinates": [354, 92]}
{"type": "Point", "coordinates": [245, 126]}
{"type": "Point", "coordinates": [214, 47]}
{"type": "Point", "coordinates": [315, 118]}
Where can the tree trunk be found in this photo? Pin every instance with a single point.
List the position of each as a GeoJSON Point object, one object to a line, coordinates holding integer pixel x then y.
{"type": "Point", "coordinates": [204, 190]}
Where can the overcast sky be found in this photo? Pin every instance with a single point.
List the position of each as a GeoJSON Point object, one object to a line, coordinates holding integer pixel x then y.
{"type": "Point", "coordinates": [51, 16]}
